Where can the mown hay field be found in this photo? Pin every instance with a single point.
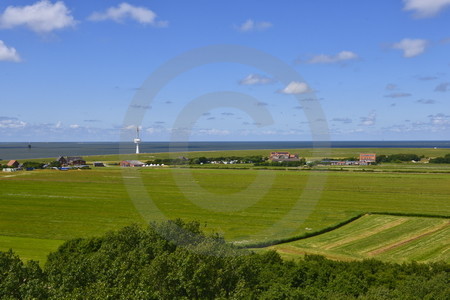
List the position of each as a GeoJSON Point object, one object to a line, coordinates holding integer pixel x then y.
{"type": "Point", "coordinates": [385, 237]}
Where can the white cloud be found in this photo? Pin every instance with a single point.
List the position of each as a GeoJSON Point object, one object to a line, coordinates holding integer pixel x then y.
{"type": "Point", "coordinates": [439, 119]}
{"type": "Point", "coordinates": [127, 11]}
{"type": "Point", "coordinates": [8, 53]}
{"type": "Point", "coordinates": [369, 120]}
{"type": "Point", "coordinates": [255, 79]}
{"type": "Point", "coordinates": [250, 25]}
{"type": "Point", "coordinates": [43, 16]}
{"type": "Point", "coordinates": [11, 123]}
{"type": "Point", "coordinates": [295, 88]}
{"type": "Point", "coordinates": [426, 8]}
{"type": "Point", "coordinates": [411, 47]}
{"type": "Point", "coordinates": [213, 131]}
{"type": "Point", "coordinates": [328, 59]}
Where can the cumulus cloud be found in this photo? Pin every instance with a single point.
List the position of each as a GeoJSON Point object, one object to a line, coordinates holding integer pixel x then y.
{"type": "Point", "coordinates": [250, 25]}
{"type": "Point", "coordinates": [425, 8]}
{"type": "Point", "coordinates": [43, 16]}
{"type": "Point", "coordinates": [256, 79]}
{"type": "Point", "coordinates": [329, 59]}
{"type": "Point", "coordinates": [125, 11]}
{"type": "Point", "coordinates": [369, 120]}
{"type": "Point", "coordinates": [443, 87]}
{"type": "Point", "coordinates": [411, 47]}
{"type": "Point", "coordinates": [439, 119]}
{"type": "Point", "coordinates": [295, 87]}
{"type": "Point", "coordinates": [398, 95]}
{"type": "Point", "coordinates": [8, 53]}
{"type": "Point", "coordinates": [11, 123]}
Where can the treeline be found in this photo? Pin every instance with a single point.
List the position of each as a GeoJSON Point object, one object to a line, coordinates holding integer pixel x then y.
{"type": "Point", "coordinates": [175, 260]}
{"type": "Point", "coordinates": [36, 165]}
{"type": "Point", "coordinates": [208, 160]}
{"type": "Point", "coordinates": [398, 158]}
{"type": "Point", "coordinates": [441, 160]}
{"type": "Point", "coordinates": [287, 163]}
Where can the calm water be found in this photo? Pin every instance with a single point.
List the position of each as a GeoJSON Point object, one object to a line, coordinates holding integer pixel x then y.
{"type": "Point", "coordinates": [55, 149]}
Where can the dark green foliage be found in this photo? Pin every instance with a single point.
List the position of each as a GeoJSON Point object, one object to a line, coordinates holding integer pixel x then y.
{"type": "Point", "coordinates": [397, 158]}
{"type": "Point", "coordinates": [54, 164]}
{"type": "Point", "coordinates": [297, 163]}
{"type": "Point", "coordinates": [175, 260]}
{"type": "Point", "coordinates": [441, 160]}
{"type": "Point", "coordinates": [33, 164]}
{"type": "Point", "coordinates": [207, 160]}
{"type": "Point", "coordinates": [19, 280]}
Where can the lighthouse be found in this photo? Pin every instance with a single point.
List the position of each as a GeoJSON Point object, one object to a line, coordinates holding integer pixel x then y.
{"type": "Point", "coordinates": [137, 140]}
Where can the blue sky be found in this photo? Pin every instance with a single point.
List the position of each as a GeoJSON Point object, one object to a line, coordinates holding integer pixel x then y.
{"type": "Point", "coordinates": [370, 70]}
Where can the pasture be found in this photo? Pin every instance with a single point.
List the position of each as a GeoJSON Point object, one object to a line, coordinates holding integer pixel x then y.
{"type": "Point", "coordinates": [40, 209]}
{"type": "Point", "coordinates": [389, 238]}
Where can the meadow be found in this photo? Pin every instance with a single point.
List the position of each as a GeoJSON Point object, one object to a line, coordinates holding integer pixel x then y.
{"type": "Point", "coordinates": [385, 237]}
{"type": "Point", "coordinates": [40, 209]}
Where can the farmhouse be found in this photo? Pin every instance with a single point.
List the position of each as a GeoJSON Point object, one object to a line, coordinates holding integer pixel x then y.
{"type": "Point", "coordinates": [367, 158]}
{"type": "Point", "coordinates": [75, 160]}
{"type": "Point", "coordinates": [13, 164]}
{"type": "Point", "coordinates": [131, 163]}
{"type": "Point", "coordinates": [283, 156]}
{"type": "Point", "coordinates": [71, 160]}
{"type": "Point", "coordinates": [62, 160]}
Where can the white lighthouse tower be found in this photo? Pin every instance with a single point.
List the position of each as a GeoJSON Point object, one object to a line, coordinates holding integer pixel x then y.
{"type": "Point", "coordinates": [137, 140]}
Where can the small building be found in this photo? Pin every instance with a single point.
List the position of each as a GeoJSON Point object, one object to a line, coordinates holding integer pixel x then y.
{"type": "Point", "coordinates": [131, 163]}
{"type": "Point", "coordinates": [75, 161]}
{"type": "Point", "coordinates": [62, 160]}
{"type": "Point", "coordinates": [98, 164]}
{"type": "Point", "coordinates": [367, 158]}
{"type": "Point", "coordinates": [13, 164]}
{"type": "Point", "coordinates": [283, 156]}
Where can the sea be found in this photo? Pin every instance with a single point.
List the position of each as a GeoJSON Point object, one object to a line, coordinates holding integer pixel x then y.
{"type": "Point", "coordinates": [17, 150]}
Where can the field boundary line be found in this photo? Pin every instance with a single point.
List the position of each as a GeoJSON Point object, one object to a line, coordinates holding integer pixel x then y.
{"type": "Point", "coordinates": [303, 236]}
{"type": "Point", "coordinates": [265, 244]}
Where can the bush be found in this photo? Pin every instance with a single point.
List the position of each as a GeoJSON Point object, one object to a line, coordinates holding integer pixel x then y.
{"type": "Point", "coordinates": [176, 260]}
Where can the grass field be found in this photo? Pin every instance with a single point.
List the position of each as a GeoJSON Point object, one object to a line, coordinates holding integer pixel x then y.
{"type": "Point", "coordinates": [41, 208]}
{"type": "Point", "coordinates": [389, 238]}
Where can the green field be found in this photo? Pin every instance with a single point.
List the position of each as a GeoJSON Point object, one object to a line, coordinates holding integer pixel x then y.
{"type": "Point", "coordinates": [40, 209]}
{"type": "Point", "coordinates": [389, 238]}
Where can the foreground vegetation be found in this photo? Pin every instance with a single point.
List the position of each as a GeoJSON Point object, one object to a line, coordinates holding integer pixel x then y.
{"type": "Point", "coordinates": [176, 260]}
